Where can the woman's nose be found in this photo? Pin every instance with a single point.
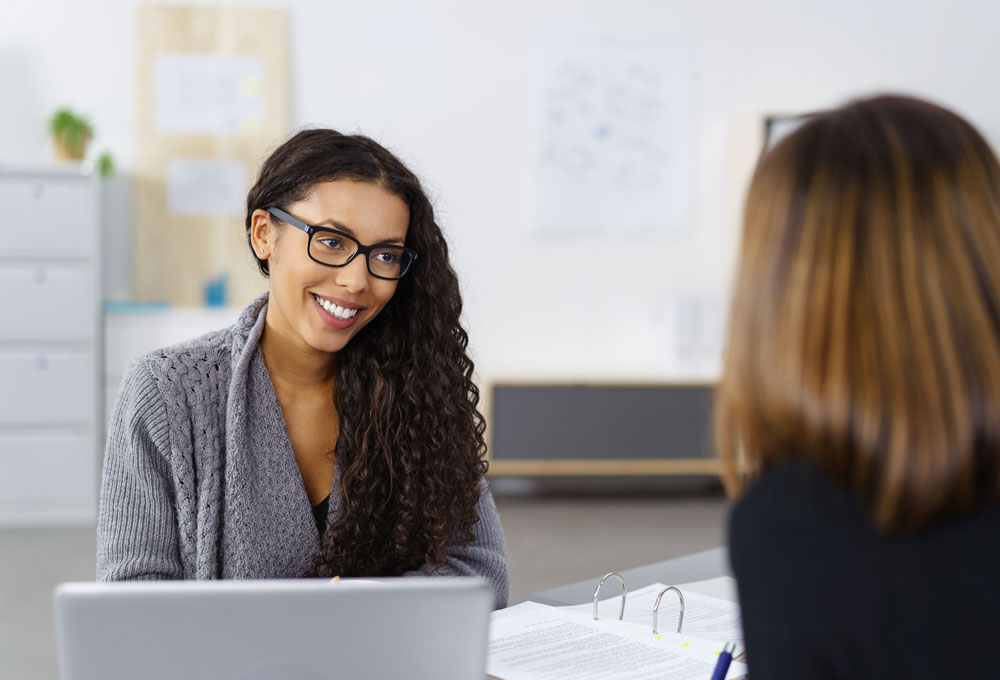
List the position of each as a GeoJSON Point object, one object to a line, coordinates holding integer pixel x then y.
{"type": "Point", "coordinates": [353, 276]}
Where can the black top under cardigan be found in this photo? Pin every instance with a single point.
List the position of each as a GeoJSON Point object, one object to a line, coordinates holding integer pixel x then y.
{"type": "Point", "coordinates": [824, 596]}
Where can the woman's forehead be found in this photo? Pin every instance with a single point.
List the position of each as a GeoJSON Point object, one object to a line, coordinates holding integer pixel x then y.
{"type": "Point", "coordinates": [364, 209]}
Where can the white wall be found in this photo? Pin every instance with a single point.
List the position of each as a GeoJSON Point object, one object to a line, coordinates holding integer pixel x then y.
{"type": "Point", "coordinates": [448, 85]}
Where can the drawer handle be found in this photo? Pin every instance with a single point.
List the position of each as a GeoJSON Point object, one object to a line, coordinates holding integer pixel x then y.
{"type": "Point", "coordinates": [38, 190]}
{"type": "Point", "coordinates": [41, 362]}
{"type": "Point", "coordinates": [40, 275]}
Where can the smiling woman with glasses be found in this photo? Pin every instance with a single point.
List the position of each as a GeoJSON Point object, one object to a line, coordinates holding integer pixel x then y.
{"type": "Point", "coordinates": [334, 429]}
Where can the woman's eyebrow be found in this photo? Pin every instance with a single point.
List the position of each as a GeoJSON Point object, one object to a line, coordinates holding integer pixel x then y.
{"type": "Point", "coordinates": [333, 224]}
{"type": "Point", "coordinates": [350, 232]}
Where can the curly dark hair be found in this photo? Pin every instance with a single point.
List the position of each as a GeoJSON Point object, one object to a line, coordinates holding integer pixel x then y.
{"type": "Point", "coordinates": [411, 452]}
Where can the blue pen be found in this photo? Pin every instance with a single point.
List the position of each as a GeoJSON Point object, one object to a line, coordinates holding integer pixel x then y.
{"type": "Point", "coordinates": [725, 657]}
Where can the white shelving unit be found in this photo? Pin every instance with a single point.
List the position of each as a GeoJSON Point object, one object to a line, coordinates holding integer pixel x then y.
{"type": "Point", "coordinates": [50, 346]}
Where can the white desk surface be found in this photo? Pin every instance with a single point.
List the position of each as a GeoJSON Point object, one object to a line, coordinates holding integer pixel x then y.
{"type": "Point", "coordinates": [695, 567]}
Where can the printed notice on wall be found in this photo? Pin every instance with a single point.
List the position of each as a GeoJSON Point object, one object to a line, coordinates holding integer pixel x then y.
{"type": "Point", "coordinates": [615, 134]}
{"type": "Point", "coordinates": [205, 187]}
{"type": "Point", "coordinates": [693, 336]}
{"type": "Point", "coordinates": [208, 94]}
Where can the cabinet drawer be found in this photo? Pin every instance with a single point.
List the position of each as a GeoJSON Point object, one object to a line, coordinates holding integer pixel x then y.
{"type": "Point", "coordinates": [48, 217]}
{"type": "Point", "coordinates": [48, 387]}
{"type": "Point", "coordinates": [48, 476]}
{"type": "Point", "coordinates": [47, 303]}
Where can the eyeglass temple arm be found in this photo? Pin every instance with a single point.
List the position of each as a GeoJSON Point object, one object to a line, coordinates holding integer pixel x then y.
{"type": "Point", "coordinates": [285, 217]}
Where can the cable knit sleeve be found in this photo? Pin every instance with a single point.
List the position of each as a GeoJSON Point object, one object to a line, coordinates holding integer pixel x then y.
{"type": "Point", "coordinates": [137, 537]}
{"type": "Point", "coordinates": [485, 556]}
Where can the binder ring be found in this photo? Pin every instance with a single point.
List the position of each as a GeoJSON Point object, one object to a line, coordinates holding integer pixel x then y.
{"type": "Point", "coordinates": [621, 613]}
{"type": "Point", "coordinates": [656, 607]}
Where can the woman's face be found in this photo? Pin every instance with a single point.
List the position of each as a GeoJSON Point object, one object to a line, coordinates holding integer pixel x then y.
{"type": "Point", "coordinates": [303, 292]}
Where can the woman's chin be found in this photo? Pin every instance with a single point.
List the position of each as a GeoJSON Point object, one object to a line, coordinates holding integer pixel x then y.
{"type": "Point", "coordinates": [328, 345]}
{"type": "Point", "coordinates": [325, 340]}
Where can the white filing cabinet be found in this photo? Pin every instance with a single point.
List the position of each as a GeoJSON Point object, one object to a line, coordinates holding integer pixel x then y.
{"type": "Point", "coordinates": [50, 346]}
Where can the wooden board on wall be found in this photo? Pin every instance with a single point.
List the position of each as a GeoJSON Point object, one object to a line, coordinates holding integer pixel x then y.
{"type": "Point", "coordinates": [175, 254]}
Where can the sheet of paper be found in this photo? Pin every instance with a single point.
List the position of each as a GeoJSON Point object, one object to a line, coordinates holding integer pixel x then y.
{"type": "Point", "coordinates": [704, 616]}
{"type": "Point", "coordinates": [207, 94]}
{"type": "Point", "coordinates": [722, 587]}
{"type": "Point", "coordinates": [200, 187]}
{"type": "Point", "coordinates": [691, 329]}
{"type": "Point", "coordinates": [550, 644]}
{"type": "Point", "coordinates": [518, 610]}
{"type": "Point", "coordinates": [615, 133]}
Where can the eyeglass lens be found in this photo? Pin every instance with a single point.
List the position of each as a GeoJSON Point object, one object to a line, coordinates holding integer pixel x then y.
{"type": "Point", "coordinates": [385, 261]}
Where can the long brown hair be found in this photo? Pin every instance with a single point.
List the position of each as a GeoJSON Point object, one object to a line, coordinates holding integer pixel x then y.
{"type": "Point", "coordinates": [865, 329]}
{"type": "Point", "coordinates": [411, 453]}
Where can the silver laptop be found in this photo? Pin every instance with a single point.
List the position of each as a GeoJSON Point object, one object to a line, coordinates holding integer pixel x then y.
{"type": "Point", "coordinates": [274, 630]}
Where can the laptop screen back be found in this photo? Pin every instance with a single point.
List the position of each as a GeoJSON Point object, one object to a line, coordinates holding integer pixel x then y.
{"type": "Point", "coordinates": [265, 630]}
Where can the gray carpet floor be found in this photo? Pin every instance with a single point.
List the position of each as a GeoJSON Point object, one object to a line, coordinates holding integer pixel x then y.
{"type": "Point", "coordinates": [553, 538]}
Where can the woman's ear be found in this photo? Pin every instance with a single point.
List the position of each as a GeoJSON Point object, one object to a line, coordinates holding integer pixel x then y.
{"type": "Point", "coordinates": [262, 234]}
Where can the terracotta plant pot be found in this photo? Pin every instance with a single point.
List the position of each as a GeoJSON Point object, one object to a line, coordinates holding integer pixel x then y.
{"type": "Point", "coordinates": [67, 149]}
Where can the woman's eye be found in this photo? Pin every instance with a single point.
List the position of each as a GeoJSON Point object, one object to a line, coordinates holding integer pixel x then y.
{"type": "Point", "coordinates": [331, 243]}
{"type": "Point", "coordinates": [386, 258]}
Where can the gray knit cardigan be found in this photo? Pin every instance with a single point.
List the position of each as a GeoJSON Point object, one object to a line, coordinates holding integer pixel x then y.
{"type": "Point", "coordinates": [200, 481]}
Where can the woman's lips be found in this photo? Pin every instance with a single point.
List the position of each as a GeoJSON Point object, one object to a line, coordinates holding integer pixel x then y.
{"type": "Point", "coordinates": [339, 316]}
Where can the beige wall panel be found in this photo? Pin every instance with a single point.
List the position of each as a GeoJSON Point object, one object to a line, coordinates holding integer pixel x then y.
{"type": "Point", "coordinates": [175, 255]}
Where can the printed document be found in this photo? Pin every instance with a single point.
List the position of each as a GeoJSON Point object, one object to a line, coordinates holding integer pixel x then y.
{"type": "Point", "coordinates": [538, 642]}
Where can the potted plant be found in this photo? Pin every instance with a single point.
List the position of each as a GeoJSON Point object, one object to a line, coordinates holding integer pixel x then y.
{"type": "Point", "coordinates": [70, 134]}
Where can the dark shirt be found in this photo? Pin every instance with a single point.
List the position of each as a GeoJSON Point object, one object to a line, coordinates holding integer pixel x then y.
{"type": "Point", "coordinates": [319, 514]}
{"type": "Point", "coordinates": [823, 595]}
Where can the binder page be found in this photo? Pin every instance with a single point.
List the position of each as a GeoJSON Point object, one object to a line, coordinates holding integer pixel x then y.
{"type": "Point", "coordinates": [704, 616]}
{"type": "Point", "coordinates": [550, 644]}
{"type": "Point", "coordinates": [722, 587]}
{"type": "Point", "coordinates": [518, 609]}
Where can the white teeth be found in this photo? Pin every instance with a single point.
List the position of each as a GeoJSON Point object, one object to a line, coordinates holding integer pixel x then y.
{"type": "Point", "coordinates": [336, 310]}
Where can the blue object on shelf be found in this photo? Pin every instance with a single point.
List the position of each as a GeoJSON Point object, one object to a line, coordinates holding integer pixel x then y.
{"type": "Point", "coordinates": [215, 291]}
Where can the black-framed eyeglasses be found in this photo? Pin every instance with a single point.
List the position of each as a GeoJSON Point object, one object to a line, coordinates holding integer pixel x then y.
{"type": "Point", "coordinates": [336, 249]}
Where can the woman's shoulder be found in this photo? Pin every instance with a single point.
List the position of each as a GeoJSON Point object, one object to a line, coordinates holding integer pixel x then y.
{"type": "Point", "coordinates": [199, 361]}
{"type": "Point", "coordinates": [796, 507]}
{"type": "Point", "coordinates": [204, 353]}
{"type": "Point", "coordinates": [792, 500]}
{"type": "Point", "coordinates": [797, 483]}
{"type": "Point", "coordinates": [194, 374]}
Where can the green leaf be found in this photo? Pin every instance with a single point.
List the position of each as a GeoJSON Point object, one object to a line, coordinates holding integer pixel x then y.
{"type": "Point", "coordinates": [106, 164]}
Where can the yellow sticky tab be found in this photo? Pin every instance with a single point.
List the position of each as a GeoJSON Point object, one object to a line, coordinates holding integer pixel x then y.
{"type": "Point", "coordinates": [686, 644]}
{"type": "Point", "coordinates": [660, 637]}
{"type": "Point", "coordinates": [249, 125]}
{"type": "Point", "coordinates": [250, 87]}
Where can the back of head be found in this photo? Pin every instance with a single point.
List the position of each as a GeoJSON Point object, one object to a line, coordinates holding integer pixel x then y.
{"type": "Point", "coordinates": [865, 330]}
